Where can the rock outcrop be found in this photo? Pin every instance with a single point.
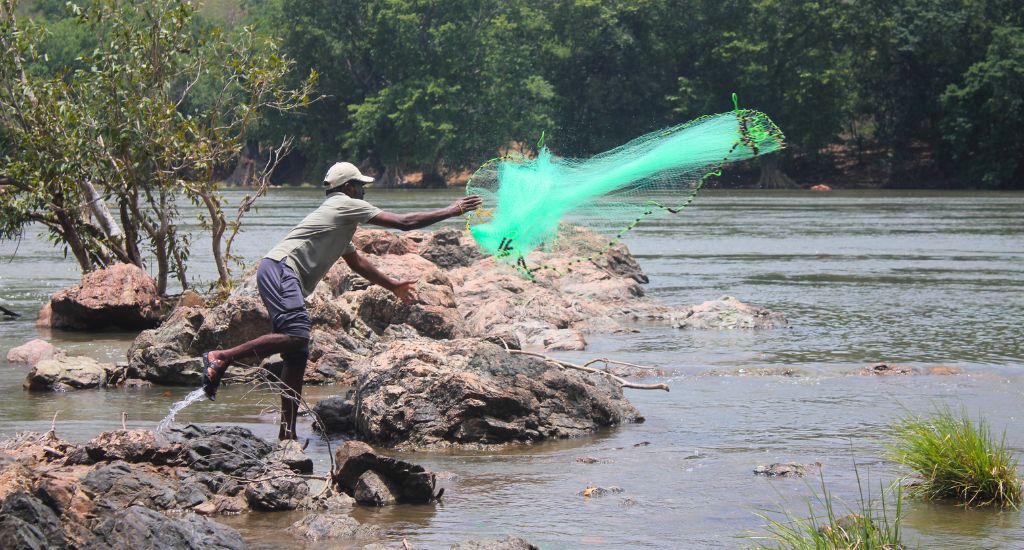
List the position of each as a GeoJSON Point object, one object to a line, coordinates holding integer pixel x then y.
{"type": "Point", "coordinates": [121, 296]}
{"type": "Point", "coordinates": [73, 373]}
{"type": "Point", "coordinates": [418, 393]}
{"type": "Point", "coordinates": [113, 491]}
{"type": "Point", "coordinates": [461, 294]}
{"type": "Point", "coordinates": [34, 351]}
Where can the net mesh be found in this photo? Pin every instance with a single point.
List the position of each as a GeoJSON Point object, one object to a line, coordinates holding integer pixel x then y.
{"type": "Point", "coordinates": [541, 202]}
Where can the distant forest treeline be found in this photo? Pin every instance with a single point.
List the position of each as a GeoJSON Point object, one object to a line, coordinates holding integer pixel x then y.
{"type": "Point", "coordinates": [890, 93]}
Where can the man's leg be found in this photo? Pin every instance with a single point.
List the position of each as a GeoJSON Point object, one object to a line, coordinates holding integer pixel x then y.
{"type": "Point", "coordinates": [292, 376]}
{"type": "Point", "coordinates": [256, 350]}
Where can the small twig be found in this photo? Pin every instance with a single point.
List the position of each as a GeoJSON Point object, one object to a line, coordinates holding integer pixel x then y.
{"type": "Point", "coordinates": [620, 381]}
{"type": "Point", "coordinates": [606, 361]}
{"type": "Point", "coordinates": [53, 426]}
{"type": "Point", "coordinates": [124, 418]}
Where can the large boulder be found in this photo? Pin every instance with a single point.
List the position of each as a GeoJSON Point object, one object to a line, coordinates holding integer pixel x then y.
{"type": "Point", "coordinates": [34, 351]}
{"type": "Point", "coordinates": [420, 393]}
{"type": "Point", "coordinates": [122, 296]}
{"type": "Point", "coordinates": [69, 373]}
{"type": "Point", "coordinates": [317, 527]}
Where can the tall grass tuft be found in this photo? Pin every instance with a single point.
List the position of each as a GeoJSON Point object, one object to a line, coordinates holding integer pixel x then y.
{"type": "Point", "coordinates": [956, 459]}
{"type": "Point", "coordinates": [874, 525]}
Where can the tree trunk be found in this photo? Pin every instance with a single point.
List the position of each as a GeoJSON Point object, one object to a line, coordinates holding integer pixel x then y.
{"type": "Point", "coordinates": [392, 176]}
{"type": "Point", "coordinates": [772, 176]}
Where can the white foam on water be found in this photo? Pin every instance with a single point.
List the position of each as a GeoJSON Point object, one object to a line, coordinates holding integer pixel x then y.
{"type": "Point", "coordinates": [177, 407]}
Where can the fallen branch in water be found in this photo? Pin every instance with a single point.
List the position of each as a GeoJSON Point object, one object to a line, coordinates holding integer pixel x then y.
{"type": "Point", "coordinates": [617, 379]}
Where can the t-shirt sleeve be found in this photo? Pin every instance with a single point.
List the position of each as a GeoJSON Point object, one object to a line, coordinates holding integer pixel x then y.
{"type": "Point", "coordinates": [361, 211]}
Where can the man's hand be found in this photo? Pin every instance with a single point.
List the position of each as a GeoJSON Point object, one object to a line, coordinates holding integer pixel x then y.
{"type": "Point", "coordinates": [405, 291]}
{"type": "Point", "coordinates": [466, 204]}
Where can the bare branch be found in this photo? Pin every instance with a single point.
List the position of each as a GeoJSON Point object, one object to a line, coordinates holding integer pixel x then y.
{"type": "Point", "coordinates": [565, 364]}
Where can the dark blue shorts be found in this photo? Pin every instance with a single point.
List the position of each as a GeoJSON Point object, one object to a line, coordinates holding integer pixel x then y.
{"type": "Point", "coordinates": [279, 288]}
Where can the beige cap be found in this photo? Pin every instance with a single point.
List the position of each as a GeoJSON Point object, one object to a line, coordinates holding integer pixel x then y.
{"type": "Point", "coordinates": [342, 173]}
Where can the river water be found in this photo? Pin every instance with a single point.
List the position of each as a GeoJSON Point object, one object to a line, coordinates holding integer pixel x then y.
{"type": "Point", "coordinates": [915, 278]}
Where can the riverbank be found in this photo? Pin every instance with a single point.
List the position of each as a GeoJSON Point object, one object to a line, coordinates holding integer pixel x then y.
{"type": "Point", "coordinates": [919, 279]}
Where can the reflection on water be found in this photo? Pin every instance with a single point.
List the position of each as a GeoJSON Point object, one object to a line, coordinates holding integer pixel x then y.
{"type": "Point", "coordinates": [913, 278]}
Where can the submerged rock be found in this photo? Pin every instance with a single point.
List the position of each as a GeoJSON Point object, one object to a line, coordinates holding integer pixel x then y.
{"type": "Point", "coordinates": [34, 351]}
{"type": "Point", "coordinates": [421, 393]}
{"type": "Point", "coordinates": [886, 369]}
{"type": "Point", "coordinates": [508, 543]}
{"type": "Point", "coordinates": [316, 527]}
{"type": "Point", "coordinates": [779, 469]}
{"type": "Point", "coordinates": [122, 296]}
{"type": "Point", "coordinates": [728, 313]}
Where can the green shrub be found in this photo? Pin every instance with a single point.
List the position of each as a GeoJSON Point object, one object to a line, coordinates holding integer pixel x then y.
{"type": "Point", "coordinates": [956, 459]}
{"type": "Point", "coordinates": [869, 528]}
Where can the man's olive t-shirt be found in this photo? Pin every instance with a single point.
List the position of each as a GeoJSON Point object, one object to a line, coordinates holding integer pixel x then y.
{"type": "Point", "coordinates": [312, 247]}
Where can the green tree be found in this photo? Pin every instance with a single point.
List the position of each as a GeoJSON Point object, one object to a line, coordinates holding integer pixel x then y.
{"type": "Point", "coordinates": [984, 114]}
{"type": "Point", "coordinates": [431, 83]}
{"type": "Point", "coordinates": [126, 129]}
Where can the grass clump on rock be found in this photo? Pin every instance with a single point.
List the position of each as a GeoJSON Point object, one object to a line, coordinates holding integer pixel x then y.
{"type": "Point", "coordinates": [873, 525]}
{"type": "Point", "coordinates": [956, 459]}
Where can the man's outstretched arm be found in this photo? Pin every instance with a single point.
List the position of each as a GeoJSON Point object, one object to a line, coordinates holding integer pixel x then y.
{"type": "Point", "coordinates": [405, 290]}
{"type": "Point", "coordinates": [417, 220]}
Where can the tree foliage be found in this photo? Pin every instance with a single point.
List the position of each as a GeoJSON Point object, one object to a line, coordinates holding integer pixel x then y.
{"type": "Point", "coordinates": [127, 130]}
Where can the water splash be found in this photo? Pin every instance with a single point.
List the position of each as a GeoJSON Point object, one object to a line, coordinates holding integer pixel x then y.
{"type": "Point", "coordinates": [164, 424]}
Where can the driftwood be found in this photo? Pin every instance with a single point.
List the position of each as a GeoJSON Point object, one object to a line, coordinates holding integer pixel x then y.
{"type": "Point", "coordinates": [587, 368]}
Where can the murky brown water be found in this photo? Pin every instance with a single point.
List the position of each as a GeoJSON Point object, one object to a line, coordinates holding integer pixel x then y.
{"type": "Point", "coordinates": [912, 278]}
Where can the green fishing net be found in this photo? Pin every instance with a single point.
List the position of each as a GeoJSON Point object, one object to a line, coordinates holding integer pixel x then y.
{"type": "Point", "coordinates": [536, 202]}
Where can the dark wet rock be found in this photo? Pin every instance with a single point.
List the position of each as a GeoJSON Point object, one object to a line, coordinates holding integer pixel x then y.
{"type": "Point", "coordinates": [451, 248]}
{"type": "Point", "coordinates": [336, 414]}
{"type": "Point", "coordinates": [778, 469]}
{"type": "Point", "coordinates": [628, 502]}
{"type": "Point", "coordinates": [34, 351]}
{"type": "Point", "coordinates": [136, 384]}
{"type": "Point", "coordinates": [289, 453]}
{"type": "Point", "coordinates": [130, 446]}
{"type": "Point", "coordinates": [316, 527]}
{"type": "Point", "coordinates": [372, 489]}
{"type": "Point", "coordinates": [587, 460]}
{"type": "Point", "coordinates": [600, 491]}
{"type": "Point", "coordinates": [888, 369]}
{"type": "Point", "coordinates": [278, 490]}
{"type": "Point", "coordinates": [140, 528]}
{"type": "Point", "coordinates": [122, 296]}
{"type": "Point", "coordinates": [403, 481]}
{"type": "Point", "coordinates": [231, 449]}
{"type": "Point", "coordinates": [68, 373]}
{"type": "Point", "coordinates": [420, 393]}
{"type": "Point", "coordinates": [118, 485]}
{"type": "Point", "coordinates": [766, 371]}
{"type": "Point", "coordinates": [728, 313]}
{"type": "Point", "coordinates": [20, 534]}
{"type": "Point", "coordinates": [25, 507]}
{"type": "Point", "coordinates": [508, 543]}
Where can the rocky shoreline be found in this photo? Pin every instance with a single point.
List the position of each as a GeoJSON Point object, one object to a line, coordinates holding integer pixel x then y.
{"type": "Point", "coordinates": [444, 371]}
